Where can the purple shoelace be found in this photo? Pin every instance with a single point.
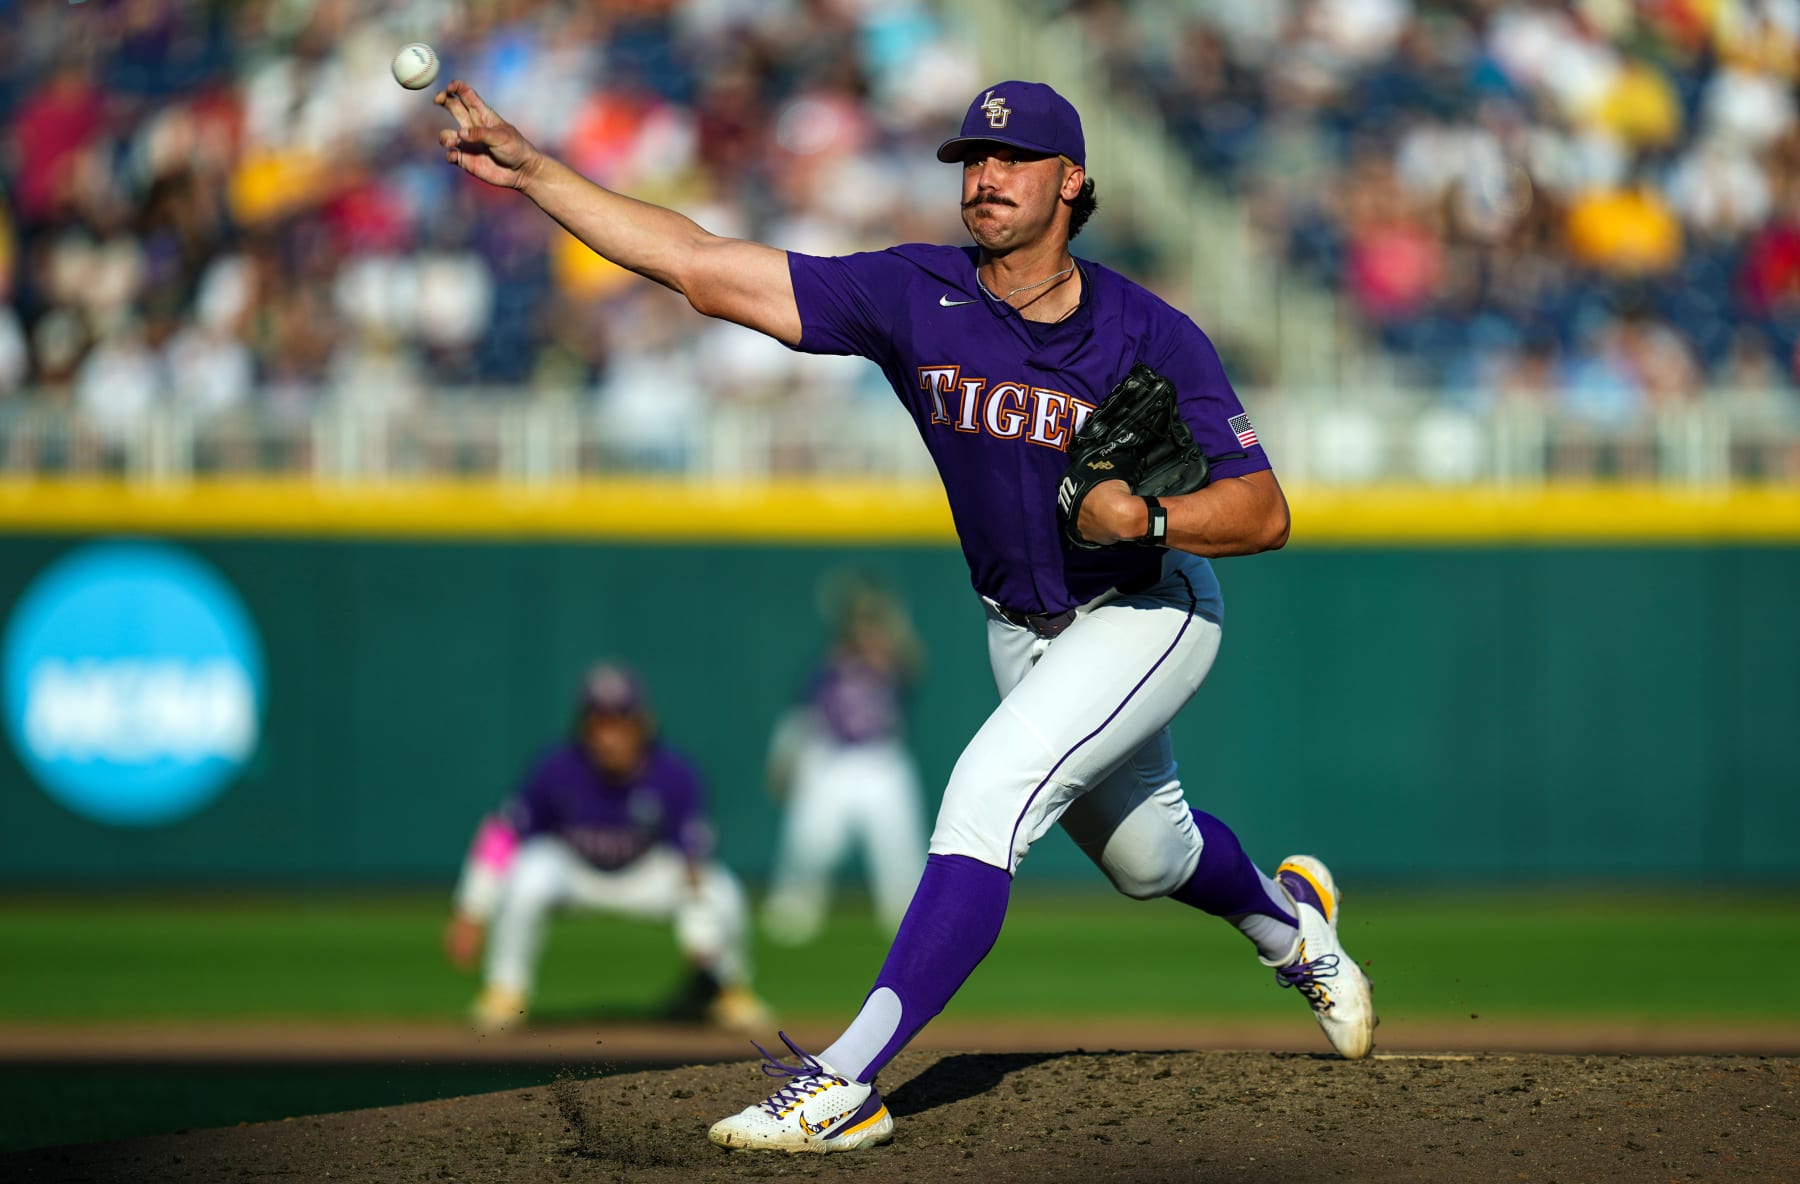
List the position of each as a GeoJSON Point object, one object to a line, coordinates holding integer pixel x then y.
{"type": "Point", "coordinates": [800, 1077]}
{"type": "Point", "coordinates": [1304, 977]}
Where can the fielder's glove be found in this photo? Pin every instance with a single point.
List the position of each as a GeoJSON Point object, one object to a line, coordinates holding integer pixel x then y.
{"type": "Point", "coordinates": [1136, 435]}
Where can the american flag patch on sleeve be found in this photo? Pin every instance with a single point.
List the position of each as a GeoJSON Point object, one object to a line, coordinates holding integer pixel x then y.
{"type": "Point", "coordinates": [1240, 425]}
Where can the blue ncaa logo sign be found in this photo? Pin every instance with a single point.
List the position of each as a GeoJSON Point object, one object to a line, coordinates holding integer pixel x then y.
{"type": "Point", "coordinates": [134, 682]}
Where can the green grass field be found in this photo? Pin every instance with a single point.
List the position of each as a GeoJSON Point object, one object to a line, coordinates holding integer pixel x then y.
{"type": "Point", "coordinates": [1580, 954]}
{"type": "Point", "coordinates": [1617, 956]}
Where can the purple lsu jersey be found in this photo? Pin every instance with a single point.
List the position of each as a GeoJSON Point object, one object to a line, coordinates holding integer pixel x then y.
{"type": "Point", "coordinates": [611, 822]}
{"type": "Point", "coordinates": [856, 702]}
{"type": "Point", "coordinates": [996, 399]}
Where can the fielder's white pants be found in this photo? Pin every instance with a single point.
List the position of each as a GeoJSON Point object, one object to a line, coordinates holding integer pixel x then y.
{"type": "Point", "coordinates": [846, 796]}
{"type": "Point", "coordinates": [710, 923]}
{"type": "Point", "coordinates": [1081, 735]}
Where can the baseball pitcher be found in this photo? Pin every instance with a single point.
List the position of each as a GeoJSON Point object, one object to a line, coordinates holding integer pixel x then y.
{"type": "Point", "coordinates": [1088, 548]}
{"type": "Point", "coordinates": [610, 820]}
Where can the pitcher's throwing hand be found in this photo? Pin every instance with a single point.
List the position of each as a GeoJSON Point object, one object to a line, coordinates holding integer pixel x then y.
{"type": "Point", "coordinates": [484, 145]}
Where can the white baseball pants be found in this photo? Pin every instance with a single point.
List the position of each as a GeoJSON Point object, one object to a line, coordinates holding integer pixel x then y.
{"type": "Point", "coordinates": [846, 796]}
{"type": "Point", "coordinates": [710, 921]}
{"type": "Point", "coordinates": [1081, 735]}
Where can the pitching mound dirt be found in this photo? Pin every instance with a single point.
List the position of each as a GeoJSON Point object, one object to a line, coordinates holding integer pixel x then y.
{"type": "Point", "coordinates": [1097, 1118]}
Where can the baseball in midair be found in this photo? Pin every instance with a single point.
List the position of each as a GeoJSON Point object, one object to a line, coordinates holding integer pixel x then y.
{"type": "Point", "coordinates": [415, 66]}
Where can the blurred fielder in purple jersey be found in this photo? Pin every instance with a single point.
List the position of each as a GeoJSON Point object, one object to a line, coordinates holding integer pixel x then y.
{"type": "Point", "coordinates": [1000, 350]}
{"type": "Point", "coordinates": [839, 759]}
{"type": "Point", "coordinates": [610, 820]}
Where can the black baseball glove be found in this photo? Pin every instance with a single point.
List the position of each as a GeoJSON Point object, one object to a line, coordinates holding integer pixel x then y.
{"type": "Point", "coordinates": [1136, 435]}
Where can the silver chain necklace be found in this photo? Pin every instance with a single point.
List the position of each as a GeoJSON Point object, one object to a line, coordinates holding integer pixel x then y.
{"type": "Point", "coordinates": [1023, 287]}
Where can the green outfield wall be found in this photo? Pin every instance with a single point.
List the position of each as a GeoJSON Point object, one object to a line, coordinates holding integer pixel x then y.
{"type": "Point", "coordinates": [1513, 709]}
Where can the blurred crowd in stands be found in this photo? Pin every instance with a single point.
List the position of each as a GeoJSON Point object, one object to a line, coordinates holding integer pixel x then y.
{"type": "Point", "coordinates": [1597, 202]}
{"type": "Point", "coordinates": [220, 205]}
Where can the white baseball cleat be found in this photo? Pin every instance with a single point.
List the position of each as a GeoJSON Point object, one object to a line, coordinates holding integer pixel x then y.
{"type": "Point", "coordinates": [815, 1111]}
{"type": "Point", "coordinates": [1318, 967]}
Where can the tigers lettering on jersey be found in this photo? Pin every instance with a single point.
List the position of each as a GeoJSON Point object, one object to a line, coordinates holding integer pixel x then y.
{"type": "Point", "coordinates": [1005, 410]}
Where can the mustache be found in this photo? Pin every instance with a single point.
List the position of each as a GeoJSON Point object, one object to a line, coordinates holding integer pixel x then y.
{"type": "Point", "coordinates": [989, 199]}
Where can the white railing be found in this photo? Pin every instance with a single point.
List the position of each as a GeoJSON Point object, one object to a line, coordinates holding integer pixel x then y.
{"type": "Point", "coordinates": [1365, 438]}
{"type": "Point", "coordinates": [492, 434]}
{"type": "Point", "coordinates": [1333, 438]}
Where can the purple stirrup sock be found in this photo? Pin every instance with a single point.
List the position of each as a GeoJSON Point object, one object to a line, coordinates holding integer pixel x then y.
{"type": "Point", "coordinates": [951, 924]}
{"type": "Point", "coordinates": [1226, 883]}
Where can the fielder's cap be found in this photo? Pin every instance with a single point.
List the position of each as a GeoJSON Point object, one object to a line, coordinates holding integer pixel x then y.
{"type": "Point", "coordinates": [1026, 115]}
{"type": "Point", "coordinates": [611, 689]}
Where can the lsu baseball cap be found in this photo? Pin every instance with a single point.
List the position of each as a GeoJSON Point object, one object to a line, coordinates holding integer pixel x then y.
{"type": "Point", "coordinates": [1026, 115]}
{"type": "Point", "coordinates": [611, 689]}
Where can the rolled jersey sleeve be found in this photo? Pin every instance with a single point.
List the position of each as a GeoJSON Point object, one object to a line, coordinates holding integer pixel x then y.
{"type": "Point", "coordinates": [840, 301]}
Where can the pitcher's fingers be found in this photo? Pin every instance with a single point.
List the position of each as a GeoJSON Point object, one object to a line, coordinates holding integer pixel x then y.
{"type": "Point", "coordinates": [474, 103]}
{"type": "Point", "coordinates": [451, 100]}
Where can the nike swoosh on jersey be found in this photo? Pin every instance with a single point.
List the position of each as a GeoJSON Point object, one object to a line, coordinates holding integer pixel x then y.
{"type": "Point", "coordinates": [944, 301]}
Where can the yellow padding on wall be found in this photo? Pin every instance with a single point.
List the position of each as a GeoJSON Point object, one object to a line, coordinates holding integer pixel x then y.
{"type": "Point", "coordinates": [646, 509]}
{"type": "Point", "coordinates": [1548, 514]}
{"type": "Point", "coordinates": [856, 511]}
